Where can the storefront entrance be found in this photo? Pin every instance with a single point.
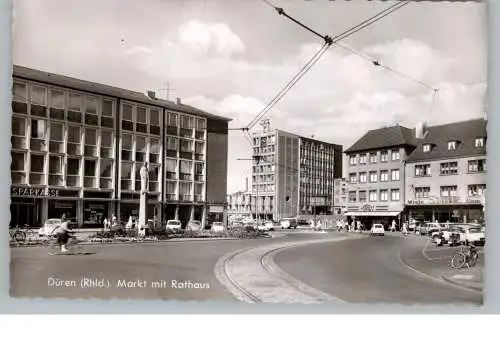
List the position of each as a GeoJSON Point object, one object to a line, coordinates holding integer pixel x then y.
{"type": "Point", "coordinates": [67, 207]}
{"type": "Point", "coordinates": [94, 213]}
{"type": "Point", "coordinates": [26, 211]}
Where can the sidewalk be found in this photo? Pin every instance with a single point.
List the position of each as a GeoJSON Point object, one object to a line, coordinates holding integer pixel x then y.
{"type": "Point", "coordinates": [472, 278]}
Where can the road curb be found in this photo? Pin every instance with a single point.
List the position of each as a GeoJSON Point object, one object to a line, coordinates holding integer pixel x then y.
{"type": "Point", "coordinates": [450, 280]}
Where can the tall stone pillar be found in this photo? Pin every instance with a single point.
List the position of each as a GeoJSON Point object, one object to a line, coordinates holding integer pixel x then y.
{"type": "Point", "coordinates": [176, 212]}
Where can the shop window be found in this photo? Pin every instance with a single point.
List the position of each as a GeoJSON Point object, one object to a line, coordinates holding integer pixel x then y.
{"type": "Point", "coordinates": [140, 149]}
{"type": "Point", "coordinates": [94, 213]}
{"type": "Point", "coordinates": [75, 107]}
{"type": "Point", "coordinates": [17, 168]}
{"type": "Point", "coordinates": [73, 172]}
{"type": "Point", "coordinates": [37, 169]}
{"type": "Point", "coordinates": [74, 140]}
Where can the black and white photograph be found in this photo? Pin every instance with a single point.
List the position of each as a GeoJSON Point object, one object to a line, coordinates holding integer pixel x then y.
{"type": "Point", "coordinates": [249, 151]}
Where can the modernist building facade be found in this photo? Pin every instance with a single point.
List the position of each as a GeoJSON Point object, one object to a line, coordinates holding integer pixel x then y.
{"type": "Point", "coordinates": [376, 174]}
{"type": "Point", "coordinates": [446, 173]}
{"type": "Point", "coordinates": [340, 196]}
{"type": "Point", "coordinates": [78, 146]}
{"type": "Point", "coordinates": [293, 175]}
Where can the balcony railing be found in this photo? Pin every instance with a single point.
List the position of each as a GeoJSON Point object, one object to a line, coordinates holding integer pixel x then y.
{"type": "Point", "coordinates": [37, 179]}
{"type": "Point", "coordinates": [56, 180]}
{"type": "Point", "coordinates": [38, 144]}
{"type": "Point", "coordinates": [199, 178]}
{"type": "Point", "coordinates": [106, 183]}
{"type": "Point", "coordinates": [72, 180]}
{"type": "Point", "coordinates": [90, 182]}
{"type": "Point", "coordinates": [18, 177]}
{"type": "Point", "coordinates": [171, 197]}
{"type": "Point", "coordinates": [56, 147]}
{"type": "Point", "coordinates": [186, 198]}
{"type": "Point", "coordinates": [198, 198]}
{"type": "Point", "coordinates": [154, 186]}
{"type": "Point", "coordinates": [74, 149]}
{"type": "Point", "coordinates": [18, 142]}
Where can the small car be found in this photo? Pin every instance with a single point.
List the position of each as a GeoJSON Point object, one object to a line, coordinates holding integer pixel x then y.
{"type": "Point", "coordinates": [266, 226]}
{"type": "Point", "coordinates": [217, 226]}
{"type": "Point", "coordinates": [377, 230]}
{"type": "Point", "coordinates": [174, 224]}
{"type": "Point", "coordinates": [194, 225]}
{"type": "Point", "coordinates": [288, 223]}
{"type": "Point", "coordinates": [49, 226]}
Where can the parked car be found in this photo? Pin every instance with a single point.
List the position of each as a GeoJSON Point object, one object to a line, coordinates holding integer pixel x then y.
{"type": "Point", "coordinates": [377, 230]}
{"type": "Point", "coordinates": [194, 225]}
{"type": "Point", "coordinates": [288, 223]}
{"type": "Point", "coordinates": [174, 224]}
{"type": "Point", "coordinates": [49, 226]}
{"type": "Point", "coordinates": [458, 234]}
{"type": "Point", "coordinates": [303, 221]}
{"type": "Point", "coordinates": [266, 226]}
{"type": "Point", "coordinates": [436, 228]}
{"type": "Point", "coordinates": [217, 226]}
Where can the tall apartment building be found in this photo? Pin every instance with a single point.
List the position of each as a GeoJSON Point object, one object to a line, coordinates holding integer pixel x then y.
{"type": "Point", "coordinates": [293, 175]}
{"type": "Point", "coordinates": [376, 174]}
{"type": "Point", "coordinates": [446, 173]}
{"type": "Point", "coordinates": [77, 148]}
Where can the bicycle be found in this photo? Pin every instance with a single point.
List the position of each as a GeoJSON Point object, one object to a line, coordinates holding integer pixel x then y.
{"type": "Point", "coordinates": [20, 234]}
{"type": "Point", "coordinates": [467, 255]}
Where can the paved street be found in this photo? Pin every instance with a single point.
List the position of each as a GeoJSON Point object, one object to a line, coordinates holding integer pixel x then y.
{"type": "Point", "coordinates": [370, 270]}
{"type": "Point", "coordinates": [352, 268]}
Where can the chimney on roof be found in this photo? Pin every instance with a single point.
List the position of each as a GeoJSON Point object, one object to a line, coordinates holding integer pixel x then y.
{"type": "Point", "coordinates": [152, 94]}
{"type": "Point", "coordinates": [420, 130]}
{"type": "Point", "coordinates": [179, 100]}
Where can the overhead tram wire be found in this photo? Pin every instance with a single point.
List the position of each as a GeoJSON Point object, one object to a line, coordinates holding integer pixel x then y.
{"type": "Point", "coordinates": [328, 41]}
{"type": "Point", "coordinates": [315, 58]}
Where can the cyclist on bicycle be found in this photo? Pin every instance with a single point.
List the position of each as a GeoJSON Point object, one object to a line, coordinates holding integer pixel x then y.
{"type": "Point", "coordinates": [63, 234]}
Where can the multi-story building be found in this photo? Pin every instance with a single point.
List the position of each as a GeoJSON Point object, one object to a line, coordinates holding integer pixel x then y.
{"type": "Point", "coordinates": [446, 173]}
{"type": "Point", "coordinates": [239, 204]}
{"type": "Point", "coordinates": [340, 195]}
{"type": "Point", "coordinates": [293, 175]}
{"type": "Point", "coordinates": [376, 174]}
{"type": "Point", "coordinates": [78, 146]}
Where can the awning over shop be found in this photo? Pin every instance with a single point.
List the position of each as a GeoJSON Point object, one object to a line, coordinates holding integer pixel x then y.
{"type": "Point", "coordinates": [372, 213]}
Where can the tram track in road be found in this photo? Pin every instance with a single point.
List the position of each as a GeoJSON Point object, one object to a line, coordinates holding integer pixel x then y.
{"type": "Point", "coordinates": [252, 276]}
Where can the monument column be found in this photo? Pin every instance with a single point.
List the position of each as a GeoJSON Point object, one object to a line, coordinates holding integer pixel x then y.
{"type": "Point", "coordinates": [143, 199]}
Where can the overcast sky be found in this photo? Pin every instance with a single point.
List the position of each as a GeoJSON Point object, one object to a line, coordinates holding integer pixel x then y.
{"type": "Point", "coordinates": [230, 57]}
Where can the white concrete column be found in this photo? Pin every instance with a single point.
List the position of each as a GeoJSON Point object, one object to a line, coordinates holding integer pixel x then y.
{"type": "Point", "coordinates": [203, 216]}
{"type": "Point", "coordinates": [176, 212]}
{"type": "Point", "coordinates": [45, 210]}
{"type": "Point", "coordinates": [191, 212]}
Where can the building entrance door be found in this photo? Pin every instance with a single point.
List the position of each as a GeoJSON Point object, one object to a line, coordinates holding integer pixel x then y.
{"type": "Point", "coordinates": [25, 212]}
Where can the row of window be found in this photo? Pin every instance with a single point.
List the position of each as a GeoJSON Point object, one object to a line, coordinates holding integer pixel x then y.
{"type": "Point", "coordinates": [451, 168]}
{"type": "Point", "coordinates": [264, 141]}
{"type": "Point", "coordinates": [373, 176]}
{"type": "Point", "coordinates": [381, 195]}
{"type": "Point", "coordinates": [473, 190]}
{"type": "Point", "coordinates": [479, 142]}
{"type": "Point", "coordinates": [374, 157]}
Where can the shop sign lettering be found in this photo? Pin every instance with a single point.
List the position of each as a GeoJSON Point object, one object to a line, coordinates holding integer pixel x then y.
{"type": "Point", "coordinates": [366, 207]}
{"type": "Point", "coordinates": [33, 192]}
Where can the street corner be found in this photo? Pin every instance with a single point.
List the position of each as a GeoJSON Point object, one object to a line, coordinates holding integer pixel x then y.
{"type": "Point", "coordinates": [472, 278]}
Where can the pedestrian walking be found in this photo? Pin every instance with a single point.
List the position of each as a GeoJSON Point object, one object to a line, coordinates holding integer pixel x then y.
{"type": "Point", "coordinates": [393, 226]}
{"type": "Point", "coordinates": [105, 223]}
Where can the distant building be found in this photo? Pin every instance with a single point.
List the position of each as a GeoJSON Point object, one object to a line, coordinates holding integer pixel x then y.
{"type": "Point", "coordinates": [293, 175]}
{"type": "Point", "coordinates": [340, 195]}
{"type": "Point", "coordinates": [446, 173]}
{"type": "Point", "coordinates": [376, 174]}
{"type": "Point", "coordinates": [239, 204]}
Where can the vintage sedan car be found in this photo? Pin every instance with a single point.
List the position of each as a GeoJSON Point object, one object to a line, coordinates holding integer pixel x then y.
{"type": "Point", "coordinates": [194, 225]}
{"type": "Point", "coordinates": [266, 226]}
{"type": "Point", "coordinates": [49, 227]}
{"type": "Point", "coordinates": [217, 226]}
{"type": "Point", "coordinates": [458, 234]}
{"type": "Point", "coordinates": [174, 224]}
{"type": "Point", "coordinates": [288, 223]}
{"type": "Point", "coordinates": [377, 230]}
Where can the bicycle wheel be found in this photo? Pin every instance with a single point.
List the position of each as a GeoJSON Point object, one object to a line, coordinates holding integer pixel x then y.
{"type": "Point", "coordinates": [458, 260]}
{"type": "Point", "coordinates": [75, 247]}
{"type": "Point", "coordinates": [19, 236]}
{"type": "Point", "coordinates": [473, 259]}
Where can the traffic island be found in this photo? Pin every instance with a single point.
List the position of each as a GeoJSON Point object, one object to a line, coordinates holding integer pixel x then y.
{"type": "Point", "coordinates": [472, 278]}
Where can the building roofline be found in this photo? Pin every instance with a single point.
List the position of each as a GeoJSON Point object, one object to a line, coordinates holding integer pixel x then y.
{"type": "Point", "coordinates": [32, 74]}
